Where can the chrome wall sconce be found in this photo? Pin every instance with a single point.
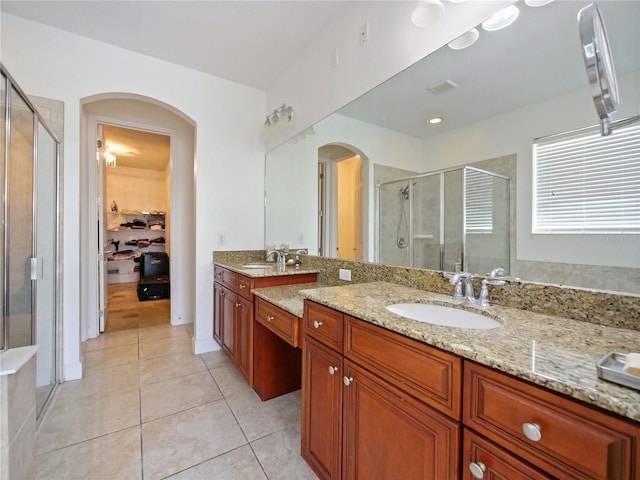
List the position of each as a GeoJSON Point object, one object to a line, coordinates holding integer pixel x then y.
{"type": "Point", "coordinates": [278, 113]}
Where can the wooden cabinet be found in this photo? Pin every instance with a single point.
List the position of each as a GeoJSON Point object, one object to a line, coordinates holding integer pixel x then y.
{"type": "Point", "coordinates": [390, 434]}
{"type": "Point", "coordinates": [482, 459]}
{"type": "Point", "coordinates": [217, 312]}
{"type": "Point", "coordinates": [321, 443]}
{"type": "Point", "coordinates": [228, 322]}
{"type": "Point", "coordinates": [396, 414]}
{"type": "Point", "coordinates": [558, 435]}
{"type": "Point", "coordinates": [355, 423]}
{"type": "Point", "coordinates": [244, 337]}
{"type": "Point", "coordinates": [234, 328]}
{"type": "Point", "coordinates": [283, 324]}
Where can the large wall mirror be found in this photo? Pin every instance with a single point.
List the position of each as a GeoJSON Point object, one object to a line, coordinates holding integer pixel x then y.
{"type": "Point", "coordinates": [496, 98]}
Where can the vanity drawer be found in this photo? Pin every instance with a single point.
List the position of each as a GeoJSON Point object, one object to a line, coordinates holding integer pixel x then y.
{"type": "Point", "coordinates": [245, 284]}
{"type": "Point", "coordinates": [429, 374]}
{"type": "Point", "coordinates": [282, 323]}
{"type": "Point", "coordinates": [226, 277]}
{"type": "Point", "coordinates": [324, 324]}
{"type": "Point", "coordinates": [565, 438]}
{"type": "Point", "coordinates": [482, 456]}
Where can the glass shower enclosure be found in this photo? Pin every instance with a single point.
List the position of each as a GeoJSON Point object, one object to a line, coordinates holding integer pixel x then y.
{"type": "Point", "coordinates": [449, 220]}
{"type": "Point", "coordinates": [30, 232]}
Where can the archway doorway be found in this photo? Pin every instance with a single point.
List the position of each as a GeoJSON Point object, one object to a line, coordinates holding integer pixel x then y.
{"type": "Point", "coordinates": [342, 218]}
{"type": "Point", "coordinates": [141, 113]}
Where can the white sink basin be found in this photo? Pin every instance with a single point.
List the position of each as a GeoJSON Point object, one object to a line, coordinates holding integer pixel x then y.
{"type": "Point", "coordinates": [444, 316]}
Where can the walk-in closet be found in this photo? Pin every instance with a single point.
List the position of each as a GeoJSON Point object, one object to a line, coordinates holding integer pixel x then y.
{"type": "Point", "coordinates": [136, 183]}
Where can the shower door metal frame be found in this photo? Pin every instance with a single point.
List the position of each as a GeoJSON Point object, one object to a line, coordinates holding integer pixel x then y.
{"type": "Point", "coordinates": [441, 174]}
{"type": "Point", "coordinates": [12, 86]}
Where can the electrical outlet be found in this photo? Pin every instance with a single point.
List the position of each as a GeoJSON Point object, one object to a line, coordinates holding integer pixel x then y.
{"type": "Point", "coordinates": [221, 239]}
{"type": "Point", "coordinates": [344, 274]}
{"type": "Point", "coordinates": [364, 33]}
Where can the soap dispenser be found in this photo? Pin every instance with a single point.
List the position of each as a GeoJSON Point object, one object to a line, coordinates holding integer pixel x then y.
{"type": "Point", "coordinates": [297, 261]}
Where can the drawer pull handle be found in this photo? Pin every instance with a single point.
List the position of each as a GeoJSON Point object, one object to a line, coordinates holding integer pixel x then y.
{"type": "Point", "coordinates": [269, 318]}
{"type": "Point", "coordinates": [532, 431]}
{"type": "Point", "coordinates": [477, 469]}
{"type": "Point", "coordinates": [332, 370]}
{"type": "Point", "coordinates": [347, 380]}
{"type": "Point", "coordinates": [316, 324]}
{"type": "Point", "coordinates": [242, 287]}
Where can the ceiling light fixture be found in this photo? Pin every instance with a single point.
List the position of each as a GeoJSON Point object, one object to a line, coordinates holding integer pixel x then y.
{"type": "Point", "coordinates": [435, 120]}
{"type": "Point", "coordinates": [283, 111]}
{"type": "Point", "coordinates": [427, 12]}
{"type": "Point", "coordinates": [110, 159]}
{"type": "Point", "coordinates": [465, 40]}
{"type": "Point", "coordinates": [537, 3]}
{"type": "Point", "coordinates": [501, 19]}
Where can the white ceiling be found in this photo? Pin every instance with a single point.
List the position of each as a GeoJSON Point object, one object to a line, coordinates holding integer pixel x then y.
{"type": "Point", "coordinates": [137, 148]}
{"type": "Point", "coordinates": [536, 58]}
{"type": "Point", "coordinates": [248, 42]}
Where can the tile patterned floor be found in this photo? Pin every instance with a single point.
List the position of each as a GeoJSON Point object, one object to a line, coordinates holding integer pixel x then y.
{"type": "Point", "coordinates": [148, 409]}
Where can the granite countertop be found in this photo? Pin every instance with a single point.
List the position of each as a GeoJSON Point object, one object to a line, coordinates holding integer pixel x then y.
{"type": "Point", "coordinates": [557, 353]}
{"type": "Point", "coordinates": [269, 270]}
{"type": "Point", "coordinates": [287, 297]}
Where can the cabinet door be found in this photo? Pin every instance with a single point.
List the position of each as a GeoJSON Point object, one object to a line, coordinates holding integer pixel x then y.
{"type": "Point", "coordinates": [389, 434]}
{"type": "Point", "coordinates": [228, 323]}
{"type": "Point", "coordinates": [244, 338]}
{"type": "Point", "coordinates": [485, 460]}
{"type": "Point", "coordinates": [217, 311]}
{"type": "Point", "coordinates": [321, 409]}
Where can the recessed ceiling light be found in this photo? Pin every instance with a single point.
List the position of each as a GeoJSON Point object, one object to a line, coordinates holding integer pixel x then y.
{"type": "Point", "coordinates": [537, 3]}
{"type": "Point", "coordinates": [427, 12]}
{"type": "Point", "coordinates": [435, 120]}
{"type": "Point", "coordinates": [502, 19]}
{"type": "Point", "coordinates": [465, 40]}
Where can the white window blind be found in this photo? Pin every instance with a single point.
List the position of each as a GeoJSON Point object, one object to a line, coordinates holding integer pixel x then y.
{"type": "Point", "coordinates": [587, 183]}
{"type": "Point", "coordinates": [478, 202]}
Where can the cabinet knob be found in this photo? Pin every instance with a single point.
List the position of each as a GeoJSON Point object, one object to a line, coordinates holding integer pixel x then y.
{"type": "Point", "coordinates": [242, 287]}
{"type": "Point", "coordinates": [332, 370]}
{"type": "Point", "coordinates": [347, 380]}
{"type": "Point", "coordinates": [237, 304]}
{"type": "Point", "coordinates": [222, 294]}
{"type": "Point", "coordinates": [532, 431]}
{"type": "Point", "coordinates": [477, 469]}
{"type": "Point", "coordinates": [269, 318]}
{"type": "Point", "coordinates": [316, 324]}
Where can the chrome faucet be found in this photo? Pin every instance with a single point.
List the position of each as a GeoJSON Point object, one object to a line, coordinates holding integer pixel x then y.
{"type": "Point", "coordinates": [497, 272]}
{"type": "Point", "coordinates": [460, 280]}
{"type": "Point", "coordinates": [278, 255]}
{"type": "Point", "coordinates": [464, 279]}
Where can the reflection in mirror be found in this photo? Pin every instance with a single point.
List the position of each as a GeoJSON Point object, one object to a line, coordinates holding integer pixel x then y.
{"type": "Point", "coordinates": [508, 89]}
{"type": "Point", "coordinates": [452, 220]}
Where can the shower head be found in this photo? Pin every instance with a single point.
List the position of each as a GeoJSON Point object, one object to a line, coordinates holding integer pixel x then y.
{"type": "Point", "coordinates": [404, 192]}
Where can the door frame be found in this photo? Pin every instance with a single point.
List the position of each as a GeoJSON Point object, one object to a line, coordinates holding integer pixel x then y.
{"type": "Point", "coordinates": [90, 321]}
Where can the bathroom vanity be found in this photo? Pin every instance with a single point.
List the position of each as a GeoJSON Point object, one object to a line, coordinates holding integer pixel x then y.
{"type": "Point", "coordinates": [246, 342]}
{"type": "Point", "coordinates": [383, 394]}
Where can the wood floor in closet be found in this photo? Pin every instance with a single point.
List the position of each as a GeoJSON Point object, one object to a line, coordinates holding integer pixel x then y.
{"type": "Point", "coordinates": [125, 311]}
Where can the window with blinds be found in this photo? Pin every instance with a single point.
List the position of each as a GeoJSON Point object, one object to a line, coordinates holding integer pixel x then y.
{"type": "Point", "coordinates": [478, 202]}
{"type": "Point", "coordinates": [586, 183]}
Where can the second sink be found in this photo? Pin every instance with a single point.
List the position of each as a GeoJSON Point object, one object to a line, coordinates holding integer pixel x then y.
{"type": "Point", "coordinates": [443, 316]}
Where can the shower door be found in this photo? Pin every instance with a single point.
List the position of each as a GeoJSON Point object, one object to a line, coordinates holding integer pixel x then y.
{"type": "Point", "coordinates": [30, 223]}
{"type": "Point", "coordinates": [426, 220]}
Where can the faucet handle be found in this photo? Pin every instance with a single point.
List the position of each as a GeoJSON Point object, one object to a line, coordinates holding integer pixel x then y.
{"type": "Point", "coordinates": [484, 291]}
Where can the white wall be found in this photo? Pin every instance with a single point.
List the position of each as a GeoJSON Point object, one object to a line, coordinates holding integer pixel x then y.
{"type": "Point", "coordinates": [315, 88]}
{"type": "Point", "coordinates": [292, 181]}
{"type": "Point", "coordinates": [55, 64]}
{"type": "Point", "coordinates": [514, 132]}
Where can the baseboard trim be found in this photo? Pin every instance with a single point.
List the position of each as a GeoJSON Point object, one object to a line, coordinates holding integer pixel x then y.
{"type": "Point", "coordinates": [205, 345]}
{"type": "Point", "coordinates": [72, 371]}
